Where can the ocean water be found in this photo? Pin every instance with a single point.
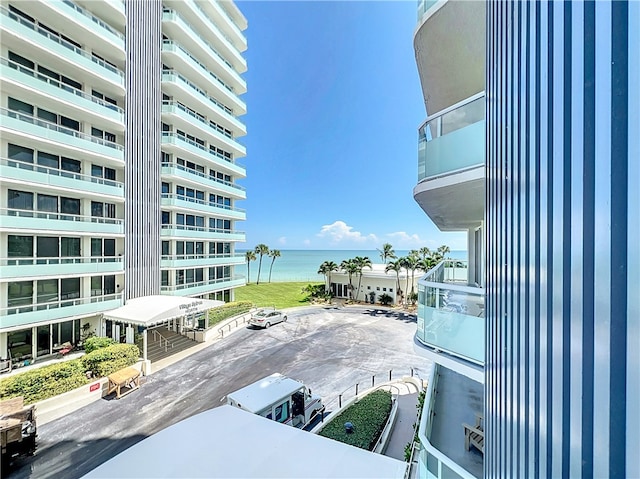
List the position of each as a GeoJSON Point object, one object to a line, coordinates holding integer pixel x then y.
{"type": "Point", "coordinates": [302, 265]}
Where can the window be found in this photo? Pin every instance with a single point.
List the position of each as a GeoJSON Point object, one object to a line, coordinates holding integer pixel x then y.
{"type": "Point", "coordinates": [165, 187]}
{"type": "Point", "coordinates": [20, 246]}
{"type": "Point", "coordinates": [109, 210]}
{"type": "Point", "coordinates": [20, 153]}
{"type": "Point", "coordinates": [180, 247]}
{"type": "Point", "coordinates": [109, 174]}
{"type": "Point", "coordinates": [69, 164]}
{"type": "Point", "coordinates": [69, 247]}
{"type": "Point", "coordinates": [69, 288]}
{"type": "Point", "coordinates": [20, 106]}
{"type": "Point", "coordinates": [47, 203]}
{"type": "Point", "coordinates": [96, 247]}
{"type": "Point", "coordinates": [97, 209]}
{"type": "Point", "coordinates": [199, 247]}
{"type": "Point", "coordinates": [48, 160]}
{"type": "Point", "coordinates": [190, 247]}
{"type": "Point", "coordinates": [47, 72]}
{"type": "Point", "coordinates": [70, 123]}
{"type": "Point", "coordinates": [47, 115]}
{"type": "Point", "coordinates": [109, 284]}
{"type": "Point", "coordinates": [96, 170]}
{"type": "Point", "coordinates": [19, 200]}
{"type": "Point", "coordinates": [47, 290]}
{"type": "Point", "coordinates": [47, 247]}
{"type": "Point", "coordinates": [199, 275]}
{"type": "Point", "coordinates": [70, 206]}
{"type": "Point", "coordinates": [19, 293]}
{"type": "Point", "coordinates": [96, 286]}
{"type": "Point", "coordinates": [21, 61]}
{"type": "Point", "coordinates": [166, 218]}
{"type": "Point", "coordinates": [109, 247]}
{"type": "Point", "coordinates": [165, 248]}
{"type": "Point", "coordinates": [164, 277]}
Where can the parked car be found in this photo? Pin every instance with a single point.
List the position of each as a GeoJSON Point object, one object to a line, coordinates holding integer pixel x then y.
{"type": "Point", "coordinates": [267, 317]}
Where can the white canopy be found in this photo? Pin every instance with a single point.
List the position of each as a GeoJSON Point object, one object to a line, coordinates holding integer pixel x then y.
{"type": "Point", "coordinates": [227, 442]}
{"type": "Point", "coordinates": [151, 310]}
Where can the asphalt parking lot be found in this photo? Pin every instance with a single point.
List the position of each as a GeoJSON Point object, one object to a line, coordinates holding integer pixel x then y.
{"type": "Point", "coordinates": [329, 349]}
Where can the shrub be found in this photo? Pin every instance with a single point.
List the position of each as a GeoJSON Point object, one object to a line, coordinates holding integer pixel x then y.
{"type": "Point", "coordinates": [385, 299]}
{"type": "Point", "coordinates": [105, 361]}
{"type": "Point", "coordinates": [368, 416]}
{"type": "Point", "coordinates": [96, 342]}
{"type": "Point", "coordinates": [228, 310]}
{"type": "Point", "coordinates": [44, 382]}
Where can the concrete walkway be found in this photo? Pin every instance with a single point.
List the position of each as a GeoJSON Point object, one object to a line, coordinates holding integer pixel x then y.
{"type": "Point", "coordinates": [406, 417]}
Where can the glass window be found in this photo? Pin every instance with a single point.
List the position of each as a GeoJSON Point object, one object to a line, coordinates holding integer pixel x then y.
{"type": "Point", "coordinates": [48, 160]}
{"type": "Point", "coordinates": [69, 288]}
{"type": "Point", "coordinates": [199, 247]}
{"type": "Point", "coordinates": [66, 332]}
{"type": "Point", "coordinates": [69, 164]}
{"type": "Point", "coordinates": [70, 247]}
{"type": "Point", "coordinates": [189, 247]}
{"type": "Point", "coordinates": [20, 153]}
{"type": "Point", "coordinates": [191, 221]}
{"type": "Point", "coordinates": [165, 187]}
{"type": "Point", "coordinates": [97, 209]}
{"type": "Point", "coordinates": [110, 137]}
{"type": "Point", "coordinates": [212, 248]}
{"type": "Point", "coordinates": [19, 200]}
{"type": "Point", "coordinates": [179, 276]}
{"type": "Point", "coordinates": [180, 218]}
{"type": "Point", "coordinates": [47, 72]}
{"type": "Point", "coordinates": [44, 338]}
{"type": "Point", "coordinates": [19, 343]}
{"type": "Point", "coordinates": [109, 284]}
{"type": "Point", "coordinates": [20, 106]}
{"type": "Point", "coordinates": [19, 293]}
{"type": "Point", "coordinates": [212, 273]}
{"type": "Point", "coordinates": [96, 170]}
{"type": "Point", "coordinates": [20, 246]}
{"type": "Point", "coordinates": [190, 276]}
{"type": "Point", "coordinates": [47, 115]}
{"type": "Point", "coordinates": [166, 218]}
{"type": "Point", "coordinates": [200, 221]}
{"type": "Point", "coordinates": [164, 277]}
{"type": "Point", "coordinates": [97, 132]}
{"type": "Point", "coordinates": [199, 275]}
{"type": "Point", "coordinates": [47, 291]}
{"type": "Point", "coordinates": [180, 190]}
{"type": "Point", "coordinates": [47, 203]}
{"type": "Point", "coordinates": [70, 206]}
{"type": "Point", "coordinates": [70, 123]}
{"type": "Point", "coordinates": [109, 174]}
{"type": "Point", "coordinates": [69, 81]}
{"type": "Point", "coordinates": [96, 247]}
{"type": "Point", "coordinates": [109, 247]}
{"type": "Point", "coordinates": [96, 286]}
{"type": "Point", "coordinates": [47, 247]}
{"type": "Point", "coordinates": [165, 248]}
{"type": "Point", "coordinates": [200, 195]}
{"type": "Point", "coordinates": [21, 60]}
{"type": "Point", "coordinates": [109, 210]}
{"type": "Point", "coordinates": [180, 247]}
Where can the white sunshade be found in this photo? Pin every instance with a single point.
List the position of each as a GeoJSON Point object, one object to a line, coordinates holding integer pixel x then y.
{"type": "Point", "coordinates": [151, 310]}
{"type": "Point", "coordinates": [227, 442]}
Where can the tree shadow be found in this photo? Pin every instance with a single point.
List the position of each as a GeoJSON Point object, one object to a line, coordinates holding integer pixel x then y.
{"type": "Point", "coordinates": [396, 315]}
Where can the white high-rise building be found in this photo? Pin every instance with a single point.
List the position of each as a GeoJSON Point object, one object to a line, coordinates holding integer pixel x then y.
{"type": "Point", "coordinates": [118, 161]}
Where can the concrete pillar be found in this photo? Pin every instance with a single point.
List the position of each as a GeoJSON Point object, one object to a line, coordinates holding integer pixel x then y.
{"type": "Point", "coordinates": [144, 344]}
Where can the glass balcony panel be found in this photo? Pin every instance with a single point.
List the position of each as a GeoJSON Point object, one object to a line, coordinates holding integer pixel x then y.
{"type": "Point", "coordinates": [180, 171]}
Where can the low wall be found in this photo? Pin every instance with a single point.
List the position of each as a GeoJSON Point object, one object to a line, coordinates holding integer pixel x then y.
{"type": "Point", "coordinates": [55, 407]}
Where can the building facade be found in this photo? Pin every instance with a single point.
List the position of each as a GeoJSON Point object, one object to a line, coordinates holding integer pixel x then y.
{"type": "Point", "coordinates": [118, 159]}
{"type": "Point", "coordinates": [563, 264]}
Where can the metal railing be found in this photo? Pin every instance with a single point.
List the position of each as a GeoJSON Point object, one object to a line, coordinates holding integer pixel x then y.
{"type": "Point", "coordinates": [178, 257]}
{"type": "Point", "coordinates": [202, 228]}
{"type": "Point", "coordinates": [212, 25]}
{"type": "Point", "coordinates": [178, 287]}
{"type": "Point", "coordinates": [36, 28]}
{"type": "Point", "coordinates": [23, 165]}
{"type": "Point", "coordinates": [58, 216]}
{"type": "Point", "coordinates": [203, 175]}
{"type": "Point", "coordinates": [212, 204]}
{"type": "Point", "coordinates": [208, 151]}
{"type": "Point", "coordinates": [157, 334]}
{"type": "Point", "coordinates": [58, 84]}
{"type": "Point", "coordinates": [24, 261]}
{"type": "Point", "coordinates": [221, 106]}
{"type": "Point", "coordinates": [201, 118]}
{"type": "Point", "coordinates": [94, 19]}
{"type": "Point", "coordinates": [58, 303]}
{"type": "Point", "coordinates": [61, 129]}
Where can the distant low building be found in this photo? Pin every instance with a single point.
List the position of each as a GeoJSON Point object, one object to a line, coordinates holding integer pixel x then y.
{"type": "Point", "coordinates": [375, 282]}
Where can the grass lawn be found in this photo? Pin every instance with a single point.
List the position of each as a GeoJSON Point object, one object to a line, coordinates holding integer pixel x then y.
{"type": "Point", "coordinates": [280, 295]}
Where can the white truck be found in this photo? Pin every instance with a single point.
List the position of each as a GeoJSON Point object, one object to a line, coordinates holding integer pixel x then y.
{"type": "Point", "coordinates": [279, 398]}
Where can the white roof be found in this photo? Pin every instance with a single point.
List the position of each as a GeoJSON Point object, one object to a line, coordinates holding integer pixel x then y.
{"type": "Point", "coordinates": [152, 310]}
{"type": "Point", "coordinates": [227, 442]}
{"type": "Point", "coordinates": [255, 397]}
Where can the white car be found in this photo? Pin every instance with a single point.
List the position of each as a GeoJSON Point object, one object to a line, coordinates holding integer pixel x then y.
{"type": "Point", "coordinates": [267, 317]}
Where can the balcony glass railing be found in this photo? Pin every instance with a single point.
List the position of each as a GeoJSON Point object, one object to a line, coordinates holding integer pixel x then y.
{"type": "Point", "coordinates": [58, 216]}
{"type": "Point", "coordinates": [61, 129]}
{"type": "Point", "coordinates": [183, 257]}
{"type": "Point", "coordinates": [210, 282]}
{"type": "Point", "coordinates": [172, 136]}
{"type": "Point", "coordinates": [423, 6]}
{"type": "Point", "coordinates": [197, 116]}
{"type": "Point", "coordinates": [212, 204]}
{"type": "Point", "coordinates": [36, 28]}
{"type": "Point", "coordinates": [59, 303]}
{"type": "Point", "coordinates": [452, 139]}
{"type": "Point", "coordinates": [93, 18]}
{"type": "Point", "coordinates": [203, 229]}
{"type": "Point", "coordinates": [203, 175]}
{"type": "Point", "coordinates": [172, 74]}
{"type": "Point", "coordinates": [213, 26]}
{"type": "Point", "coordinates": [58, 172]}
{"type": "Point", "coordinates": [60, 260]}
{"type": "Point", "coordinates": [450, 313]}
{"type": "Point", "coordinates": [59, 84]}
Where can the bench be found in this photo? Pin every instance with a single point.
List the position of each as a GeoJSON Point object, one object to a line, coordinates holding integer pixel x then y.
{"type": "Point", "coordinates": [123, 382]}
{"type": "Point", "coordinates": [474, 435]}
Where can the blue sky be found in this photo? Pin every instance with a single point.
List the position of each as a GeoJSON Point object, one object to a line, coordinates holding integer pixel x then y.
{"type": "Point", "coordinates": [334, 103]}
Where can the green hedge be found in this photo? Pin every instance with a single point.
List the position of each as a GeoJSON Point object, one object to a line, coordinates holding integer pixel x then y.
{"type": "Point", "coordinates": [44, 382]}
{"type": "Point", "coordinates": [228, 310]}
{"type": "Point", "coordinates": [97, 342]}
{"type": "Point", "coordinates": [105, 361]}
{"type": "Point", "coordinates": [368, 416]}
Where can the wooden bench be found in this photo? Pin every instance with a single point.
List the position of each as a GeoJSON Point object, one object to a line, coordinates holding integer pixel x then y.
{"type": "Point", "coordinates": [474, 435]}
{"type": "Point", "coordinates": [123, 382]}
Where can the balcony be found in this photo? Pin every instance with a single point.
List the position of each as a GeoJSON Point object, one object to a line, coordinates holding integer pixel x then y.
{"type": "Point", "coordinates": [200, 232]}
{"type": "Point", "coordinates": [198, 178]}
{"type": "Point", "coordinates": [451, 315]}
{"type": "Point", "coordinates": [19, 172]}
{"type": "Point", "coordinates": [52, 310]}
{"type": "Point", "coordinates": [177, 54]}
{"type": "Point", "coordinates": [451, 159]}
{"type": "Point", "coordinates": [424, 6]}
{"type": "Point", "coordinates": [200, 260]}
{"type": "Point", "coordinates": [203, 286]}
{"type": "Point", "coordinates": [20, 269]}
{"type": "Point", "coordinates": [17, 30]}
{"type": "Point", "coordinates": [19, 125]}
{"type": "Point", "coordinates": [176, 85]}
{"type": "Point", "coordinates": [226, 24]}
{"type": "Point", "coordinates": [182, 117]}
{"type": "Point", "coordinates": [29, 221]}
{"type": "Point", "coordinates": [177, 27]}
{"type": "Point", "coordinates": [181, 146]}
{"type": "Point", "coordinates": [32, 83]}
{"type": "Point", "coordinates": [181, 202]}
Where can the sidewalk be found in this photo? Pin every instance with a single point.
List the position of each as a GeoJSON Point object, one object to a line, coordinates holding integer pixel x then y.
{"type": "Point", "coordinates": [407, 416]}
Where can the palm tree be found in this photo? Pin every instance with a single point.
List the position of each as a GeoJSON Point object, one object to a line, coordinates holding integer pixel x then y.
{"type": "Point", "coordinates": [424, 252]}
{"type": "Point", "coordinates": [350, 267]}
{"type": "Point", "coordinates": [387, 252]}
{"type": "Point", "coordinates": [261, 250]}
{"type": "Point", "coordinates": [273, 254]}
{"type": "Point", "coordinates": [395, 266]}
{"type": "Point", "coordinates": [326, 269]}
{"type": "Point", "coordinates": [405, 264]}
{"type": "Point", "coordinates": [249, 256]}
{"type": "Point", "coordinates": [413, 261]}
{"type": "Point", "coordinates": [361, 263]}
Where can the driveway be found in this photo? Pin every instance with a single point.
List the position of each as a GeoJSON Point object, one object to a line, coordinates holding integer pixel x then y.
{"type": "Point", "coordinates": [329, 349]}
